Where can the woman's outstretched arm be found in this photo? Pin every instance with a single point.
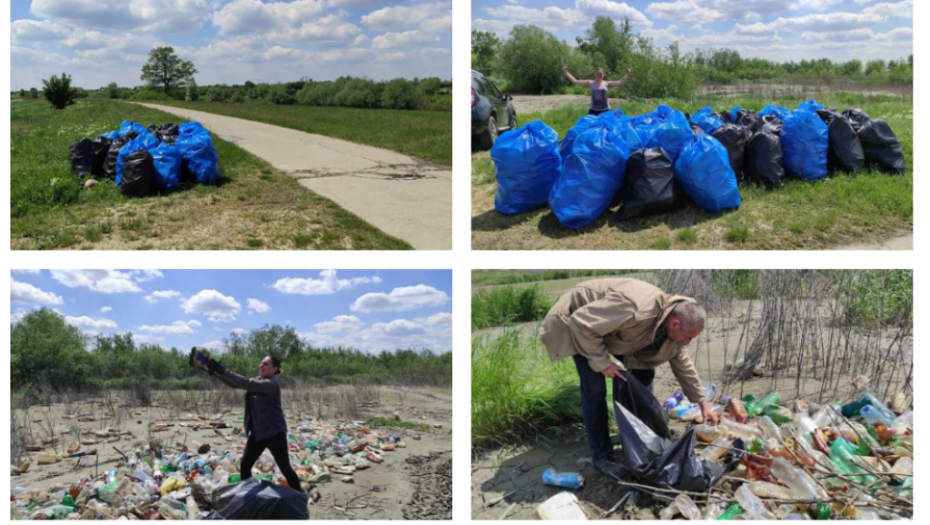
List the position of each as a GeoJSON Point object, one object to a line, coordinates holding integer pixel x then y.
{"type": "Point", "coordinates": [583, 83]}
{"type": "Point", "coordinates": [234, 380]}
{"type": "Point", "coordinates": [622, 81]}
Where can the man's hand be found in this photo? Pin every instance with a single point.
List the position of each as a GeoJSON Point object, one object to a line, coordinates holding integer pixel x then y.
{"type": "Point", "coordinates": [628, 71]}
{"type": "Point", "coordinates": [708, 413]}
{"type": "Point", "coordinates": [613, 371]}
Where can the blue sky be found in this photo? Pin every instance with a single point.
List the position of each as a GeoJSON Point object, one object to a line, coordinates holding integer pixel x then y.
{"type": "Point", "coordinates": [779, 30]}
{"type": "Point", "coordinates": [369, 310]}
{"type": "Point", "coordinates": [230, 41]}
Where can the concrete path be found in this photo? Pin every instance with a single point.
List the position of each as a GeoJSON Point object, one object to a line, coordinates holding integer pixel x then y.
{"type": "Point", "coordinates": [402, 196]}
{"type": "Point", "coordinates": [904, 242]}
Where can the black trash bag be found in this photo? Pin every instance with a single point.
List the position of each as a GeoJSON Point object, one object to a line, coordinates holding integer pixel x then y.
{"type": "Point", "coordinates": [137, 174]}
{"type": "Point", "coordinates": [101, 148]}
{"type": "Point", "coordinates": [845, 153]}
{"type": "Point", "coordinates": [747, 119]}
{"type": "Point", "coordinates": [168, 133]}
{"type": "Point", "coordinates": [659, 462]}
{"type": "Point", "coordinates": [257, 499]}
{"type": "Point", "coordinates": [857, 118]}
{"type": "Point", "coordinates": [726, 116]}
{"type": "Point", "coordinates": [734, 455]}
{"type": "Point", "coordinates": [82, 157]}
{"type": "Point", "coordinates": [734, 139]}
{"type": "Point", "coordinates": [153, 128]}
{"type": "Point", "coordinates": [109, 165]}
{"type": "Point", "coordinates": [765, 161]}
{"type": "Point", "coordinates": [772, 124]}
{"type": "Point", "coordinates": [639, 401]}
{"type": "Point", "coordinates": [881, 147]}
{"type": "Point", "coordinates": [828, 115]}
{"type": "Point", "coordinates": [697, 130]}
{"type": "Point", "coordinates": [649, 185]}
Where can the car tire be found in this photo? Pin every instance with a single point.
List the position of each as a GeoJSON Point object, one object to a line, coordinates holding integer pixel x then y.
{"type": "Point", "coordinates": [486, 139]}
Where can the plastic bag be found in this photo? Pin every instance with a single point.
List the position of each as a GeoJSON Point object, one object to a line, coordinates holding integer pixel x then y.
{"type": "Point", "coordinates": [749, 120]}
{"type": "Point", "coordinates": [200, 161]}
{"type": "Point", "coordinates": [805, 142]}
{"type": "Point", "coordinates": [134, 129]}
{"type": "Point", "coordinates": [590, 178]}
{"type": "Point", "coordinates": [112, 135]}
{"type": "Point", "coordinates": [583, 124]}
{"type": "Point", "coordinates": [82, 157]}
{"type": "Point", "coordinates": [707, 120]}
{"type": "Point", "coordinates": [881, 147]}
{"type": "Point", "coordinates": [857, 118]}
{"type": "Point", "coordinates": [168, 133]}
{"type": "Point", "coordinates": [827, 115]}
{"type": "Point", "coordinates": [101, 148]}
{"type": "Point", "coordinates": [623, 125]}
{"type": "Point", "coordinates": [846, 153]}
{"type": "Point", "coordinates": [765, 162]}
{"type": "Point", "coordinates": [778, 111]}
{"type": "Point", "coordinates": [137, 174]}
{"type": "Point", "coordinates": [649, 185]}
{"type": "Point", "coordinates": [672, 135]}
{"type": "Point", "coordinates": [734, 138]}
{"type": "Point", "coordinates": [257, 499]}
{"type": "Point", "coordinates": [145, 141]}
{"type": "Point", "coordinates": [167, 161]}
{"type": "Point", "coordinates": [639, 401]}
{"type": "Point", "coordinates": [528, 164]}
{"type": "Point", "coordinates": [772, 124]}
{"type": "Point", "coordinates": [704, 173]}
{"type": "Point", "coordinates": [109, 166]}
{"type": "Point", "coordinates": [811, 106]}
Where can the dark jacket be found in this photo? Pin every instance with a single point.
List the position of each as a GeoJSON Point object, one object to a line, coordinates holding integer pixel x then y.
{"type": "Point", "coordinates": [263, 414]}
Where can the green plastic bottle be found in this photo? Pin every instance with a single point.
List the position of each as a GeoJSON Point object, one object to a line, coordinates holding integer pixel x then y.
{"type": "Point", "coordinates": [843, 454]}
{"type": "Point", "coordinates": [779, 415]}
{"type": "Point", "coordinates": [732, 511]}
{"type": "Point", "coordinates": [234, 478]}
{"type": "Point", "coordinates": [68, 501]}
{"type": "Point", "coordinates": [821, 511]}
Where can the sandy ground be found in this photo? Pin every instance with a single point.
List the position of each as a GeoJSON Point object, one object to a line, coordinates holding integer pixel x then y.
{"type": "Point", "coordinates": [404, 197]}
{"type": "Point", "coordinates": [516, 471]}
{"type": "Point", "coordinates": [904, 242]}
{"type": "Point", "coordinates": [412, 483]}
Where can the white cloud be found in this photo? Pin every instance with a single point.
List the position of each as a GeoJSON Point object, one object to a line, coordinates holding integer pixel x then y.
{"type": "Point", "coordinates": [904, 9]}
{"type": "Point", "coordinates": [327, 284]}
{"type": "Point", "coordinates": [547, 17]}
{"type": "Point", "coordinates": [26, 271]}
{"type": "Point", "coordinates": [258, 306]}
{"type": "Point", "coordinates": [819, 5]}
{"type": "Point", "coordinates": [442, 319]}
{"type": "Point", "coordinates": [175, 328]}
{"type": "Point", "coordinates": [106, 309]}
{"type": "Point", "coordinates": [147, 339]}
{"type": "Point", "coordinates": [252, 17]}
{"type": "Point", "coordinates": [239, 331]}
{"type": "Point", "coordinates": [684, 11]}
{"type": "Point", "coordinates": [103, 281]}
{"type": "Point", "coordinates": [819, 22]}
{"type": "Point", "coordinates": [218, 307]}
{"type": "Point", "coordinates": [18, 315]}
{"type": "Point", "coordinates": [172, 16]}
{"type": "Point", "coordinates": [155, 296]}
{"type": "Point", "coordinates": [215, 345]}
{"type": "Point", "coordinates": [400, 299]}
{"type": "Point", "coordinates": [330, 29]}
{"type": "Point", "coordinates": [398, 327]}
{"type": "Point", "coordinates": [147, 275]}
{"type": "Point", "coordinates": [897, 34]}
{"type": "Point", "coordinates": [25, 293]}
{"type": "Point", "coordinates": [405, 39]}
{"type": "Point", "coordinates": [37, 31]}
{"type": "Point", "coordinates": [615, 10]}
{"type": "Point", "coordinates": [339, 324]}
{"type": "Point", "coordinates": [92, 323]}
{"type": "Point", "coordinates": [398, 17]}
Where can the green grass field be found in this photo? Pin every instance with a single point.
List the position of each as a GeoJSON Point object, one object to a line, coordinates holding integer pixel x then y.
{"type": "Point", "coordinates": [843, 209]}
{"type": "Point", "coordinates": [423, 134]}
{"type": "Point", "coordinates": [252, 207]}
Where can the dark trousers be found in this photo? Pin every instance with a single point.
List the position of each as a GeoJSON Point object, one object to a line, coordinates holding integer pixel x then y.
{"type": "Point", "coordinates": [594, 404]}
{"type": "Point", "coordinates": [277, 444]}
{"type": "Point", "coordinates": [597, 111]}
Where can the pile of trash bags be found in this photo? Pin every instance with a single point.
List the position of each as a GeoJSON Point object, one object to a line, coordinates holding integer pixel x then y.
{"type": "Point", "coordinates": [651, 162]}
{"type": "Point", "coordinates": [142, 161]}
{"type": "Point", "coordinates": [193, 481]}
{"type": "Point", "coordinates": [845, 460]}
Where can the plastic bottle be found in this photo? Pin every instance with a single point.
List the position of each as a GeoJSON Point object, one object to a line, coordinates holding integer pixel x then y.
{"type": "Point", "coordinates": [732, 511]}
{"type": "Point", "coordinates": [853, 409]}
{"type": "Point", "coordinates": [737, 430]}
{"type": "Point", "coordinates": [903, 423]}
{"type": "Point", "coordinates": [772, 398]}
{"type": "Point", "coordinates": [778, 414]}
{"type": "Point", "coordinates": [710, 389]}
{"type": "Point", "coordinates": [805, 424]}
{"type": "Point", "coordinates": [716, 451]}
{"type": "Point", "coordinates": [820, 511]}
{"type": "Point", "coordinates": [682, 504]}
{"type": "Point", "coordinates": [878, 405]}
{"type": "Point", "coordinates": [769, 429]}
{"type": "Point", "coordinates": [872, 415]}
{"type": "Point", "coordinates": [845, 461]}
{"type": "Point", "coordinates": [764, 489]}
{"type": "Point", "coordinates": [904, 467]}
{"type": "Point", "coordinates": [673, 400]}
{"type": "Point", "coordinates": [736, 409]}
{"type": "Point", "coordinates": [752, 505]}
{"type": "Point", "coordinates": [713, 511]}
{"type": "Point", "coordinates": [706, 433]}
{"type": "Point", "coordinates": [788, 475]}
{"type": "Point", "coordinates": [568, 480]}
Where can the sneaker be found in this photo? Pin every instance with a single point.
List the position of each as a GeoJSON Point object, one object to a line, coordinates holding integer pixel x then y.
{"type": "Point", "coordinates": [608, 468]}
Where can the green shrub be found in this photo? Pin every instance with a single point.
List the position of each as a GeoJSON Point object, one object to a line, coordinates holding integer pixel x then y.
{"type": "Point", "coordinates": [112, 90]}
{"type": "Point", "coordinates": [192, 92]}
{"type": "Point", "coordinates": [237, 96]}
{"type": "Point", "coordinates": [58, 91]}
{"type": "Point", "coordinates": [509, 304]}
{"type": "Point", "coordinates": [147, 94]}
{"type": "Point", "coordinates": [399, 95]}
{"type": "Point", "coordinates": [279, 94]}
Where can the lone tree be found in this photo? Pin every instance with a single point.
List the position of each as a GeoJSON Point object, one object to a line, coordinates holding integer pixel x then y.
{"type": "Point", "coordinates": [58, 91]}
{"type": "Point", "coordinates": [165, 69]}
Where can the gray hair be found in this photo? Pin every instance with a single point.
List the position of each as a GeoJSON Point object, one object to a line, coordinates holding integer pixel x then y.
{"type": "Point", "coordinates": [690, 315]}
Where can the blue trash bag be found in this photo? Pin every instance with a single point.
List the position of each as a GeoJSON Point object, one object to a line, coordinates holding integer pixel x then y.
{"type": "Point", "coordinates": [167, 159]}
{"type": "Point", "coordinates": [672, 135]}
{"type": "Point", "coordinates": [199, 158]}
{"type": "Point", "coordinates": [110, 135]}
{"type": "Point", "coordinates": [811, 105]}
{"type": "Point", "coordinates": [624, 125]}
{"type": "Point", "coordinates": [127, 125]}
{"type": "Point", "coordinates": [145, 141]}
{"type": "Point", "coordinates": [706, 120]}
{"type": "Point", "coordinates": [584, 124]}
{"type": "Point", "coordinates": [703, 171]}
{"type": "Point", "coordinates": [778, 111]}
{"type": "Point", "coordinates": [528, 164]}
{"type": "Point", "coordinates": [591, 176]}
{"type": "Point", "coordinates": [805, 142]}
{"type": "Point", "coordinates": [734, 112]}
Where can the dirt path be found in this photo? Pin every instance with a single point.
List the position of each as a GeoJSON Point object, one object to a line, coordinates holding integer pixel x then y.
{"type": "Point", "coordinates": [904, 242]}
{"type": "Point", "coordinates": [402, 196]}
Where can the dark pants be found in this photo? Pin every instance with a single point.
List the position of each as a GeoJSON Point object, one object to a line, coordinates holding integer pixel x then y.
{"type": "Point", "coordinates": [597, 111]}
{"type": "Point", "coordinates": [594, 404]}
{"type": "Point", "coordinates": [277, 444]}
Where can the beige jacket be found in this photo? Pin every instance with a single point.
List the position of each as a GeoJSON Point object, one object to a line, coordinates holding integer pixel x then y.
{"type": "Point", "coordinates": [605, 317]}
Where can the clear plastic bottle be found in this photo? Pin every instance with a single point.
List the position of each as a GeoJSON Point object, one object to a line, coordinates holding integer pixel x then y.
{"type": "Point", "coordinates": [752, 505]}
{"type": "Point", "coordinates": [873, 415]}
{"type": "Point", "coordinates": [878, 405]}
{"type": "Point", "coordinates": [904, 467]}
{"type": "Point", "coordinates": [716, 450]}
{"type": "Point", "coordinates": [713, 511]}
{"type": "Point", "coordinates": [769, 428]}
{"type": "Point", "coordinates": [682, 504]}
{"type": "Point", "coordinates": [801, 486]}
{"type": "Point", "coordinates": [706, 433]}
{"type": "Point", "coordinates": [738, 430]}
{"type": "Point", "coordinates": [767, 490]}
{"type": "Point", "coordinates": [903, 423]}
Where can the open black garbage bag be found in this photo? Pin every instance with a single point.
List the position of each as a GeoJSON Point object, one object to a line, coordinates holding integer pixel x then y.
{"type": "Point", "coordinates": [772, 124]}
{"type": "Point", "coordinates": [109, 166]}
{"type": "Point", "coordinates": [827, 115]}
{"type": "Point", "coordinates": [845, 153]}
{"type": "Point", "coordinates": [168, 133]}
{"type": "Point", "coordinates": [137, 174]}
{"type": "Point", "coordinates": [649, 186]}
{"type": "Point", "coordinates": [765, 162]}
{"type": "Point", "coordinates": [659, 462]}
{"type": "Point", "coordinates": [734, 138]}
{"type": "Point", "coordinates": [101, 148]}
{"type": "Point", "coordinates": [257, 499]}
{"type": "Point", "coordinates": [881, 146]}
{"type": "Point", "coordinates": [749, 120]}
{"type": "Point", "coordinates": [82, 157]}
{"type": "Point", "coordinates": [857, 118]}
{"type": "Point", "coordinates": [638, 400]}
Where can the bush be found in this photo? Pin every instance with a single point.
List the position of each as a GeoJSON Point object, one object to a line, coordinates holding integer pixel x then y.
{"type": "Point", "coordinates": [33, 93]}
{"type": "Point", "coordinates": [58, 91]}
{"type": "Point", "coordinates": [22, 93]}
{"type": "Point", "coordinates": [429, 86]}
{"type": "Point", "coordinates": [112, 90]}
{"type": "Point", "coordinates": [238, 96]}
{"type": "Point", "coordinates": [531, 60]}
{"type": "Point", "coordinates": [398, 94]}
{"type": "Point", "coordinates": [192, 92]}
{"type": "Point", "coordinates": [506, 305]}
{"type": "Point", "coordinates": [279, 94]}
{"type": "Point", "coordinates": [146, 94]}
{"type": "Point", "coordinates": [357, 93]}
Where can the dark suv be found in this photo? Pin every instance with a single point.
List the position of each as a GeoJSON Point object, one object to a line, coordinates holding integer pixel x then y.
{"type": "Point", "coordinates": [489, 110]}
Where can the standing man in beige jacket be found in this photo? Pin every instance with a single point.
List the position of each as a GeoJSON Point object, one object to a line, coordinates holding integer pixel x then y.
{"type": "Point", "coordinates": [638, 324]}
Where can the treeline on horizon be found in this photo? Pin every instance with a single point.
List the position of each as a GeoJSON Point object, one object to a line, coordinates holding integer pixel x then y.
{"type": "Point", "coordinates": [431, 94]}
{"type": "Point", "coordinates": [49, 354]}
{"type": "Point", "coordinates": [530, 60]}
